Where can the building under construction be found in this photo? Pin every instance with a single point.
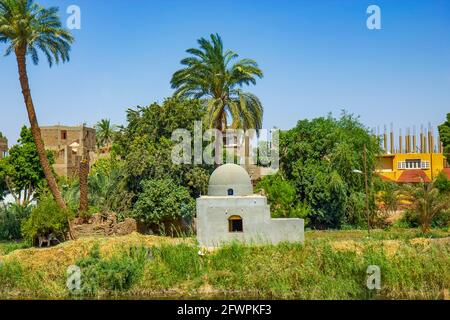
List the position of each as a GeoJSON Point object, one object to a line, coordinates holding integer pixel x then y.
{"type": "Point", "coordinates": [416, 157]}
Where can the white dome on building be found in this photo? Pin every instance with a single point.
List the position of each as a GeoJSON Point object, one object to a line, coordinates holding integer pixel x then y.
{"type": "Point", "coordinates": [230, 180]}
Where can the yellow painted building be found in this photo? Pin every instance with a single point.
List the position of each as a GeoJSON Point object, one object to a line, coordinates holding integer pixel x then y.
{"type": "Point", "coordinates": [411, 167]}
{"type": "Point", "coordinates": [416, 158]}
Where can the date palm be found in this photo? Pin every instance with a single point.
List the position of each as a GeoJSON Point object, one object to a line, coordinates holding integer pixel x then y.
{"type": "Point", "coordinates": [105, 132]}
{"type": "Point", "coordinates": [211, 73]}
{"type": "Point", "coordinates": [427, 202]}
{"type": "Point", "coordinates": [28, 28]}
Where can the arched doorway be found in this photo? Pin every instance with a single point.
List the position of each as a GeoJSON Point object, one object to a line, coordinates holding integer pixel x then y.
{"type": "Point", "coordinates": [235, 224]}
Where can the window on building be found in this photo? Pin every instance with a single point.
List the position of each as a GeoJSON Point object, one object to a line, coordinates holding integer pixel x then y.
{"type": "Point", "coordinates": [425, 164]}
{"type": "Point", "coordinates": [63, 135]}
{"type": "Point", "coordinates": [230, 192]}
{"type": "Point", "coordinates": [413, 164]}
{"type": "Point", "coordinates": [235, 224]}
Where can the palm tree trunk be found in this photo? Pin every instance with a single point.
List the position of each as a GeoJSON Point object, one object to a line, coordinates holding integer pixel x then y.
{"type": "Point", "coordinates": [83, 174]}
{"type": "Point", "coordinates": [217, 151]}
{"type": "Point", "coordinates": [247, 151]}
{"type": "Point", "coordinates": [35, 130]}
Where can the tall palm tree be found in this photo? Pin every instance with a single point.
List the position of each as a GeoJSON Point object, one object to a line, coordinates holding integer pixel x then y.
{"type": "Point", "coordinates": [27, 28]}
{"type": "Point", "coordinates": [105, 132]}
{"type": "Point", "coordinates": [210, 74]}
{"type": "Point", "coordinates": [427, 202]}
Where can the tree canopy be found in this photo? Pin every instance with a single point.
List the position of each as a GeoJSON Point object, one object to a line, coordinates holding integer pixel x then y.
{"type": "Point", "coordinates": [319, 157]}
{"type": "Point", "coordinates": [444, 133]}
{"type": "Point", "coordinates": [212, 73]}
{"type": "Point", "coordinates": [21, 171]}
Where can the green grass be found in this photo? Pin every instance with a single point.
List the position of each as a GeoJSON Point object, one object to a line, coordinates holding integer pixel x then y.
{"type": "Point", "coordinates": [330, 265]}
{"type": "Point", "coordinates": [7, 247]}
{"type": "Point", "coordinates": [392, 233]}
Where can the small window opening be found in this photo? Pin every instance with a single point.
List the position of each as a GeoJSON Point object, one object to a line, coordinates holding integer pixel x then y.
{"type": "Point", "coordinates": [235, 224]}
{"type": "Point", "coordinates": [230, 192]}
{"type": "Point", "coordinates": [63, 135]}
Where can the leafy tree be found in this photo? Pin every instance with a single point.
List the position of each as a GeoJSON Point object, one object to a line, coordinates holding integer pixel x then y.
{"type": "Point", "coordinates": [163, 201]}
{"type": "Point", "coordinates": [107, 188]}
{"type": "Point", "coordinates": [428, 202]}
{"type": "Point", "coordinates": [145, 145]}
{"type": "Point", "coordinates": [27, 28]}
{"type": "Point", "coordinates": [208, 74]}
{"type": "Point", "coordinates": [21, 170]}
{"type": "Point", "coordinates": [105, 132]}
{"type": "Point", "coordinates": [319, 157]}
{"type": "Point", "coordinates": [282, 197]}
{"type": "Point", "coordinates": [11, 217]}
{"type": "Point", "coordinates": [389, 196]}
{"type": "Point", "coordinates": [444, 134]}
{"type": "Point", "coordinates": [45, 219]}
{"type": "Point", "coordinates": [442, 183]}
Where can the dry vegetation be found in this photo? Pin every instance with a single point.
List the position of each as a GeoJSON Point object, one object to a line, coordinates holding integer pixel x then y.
{"type": "Point", "coordinates": [330, 265]}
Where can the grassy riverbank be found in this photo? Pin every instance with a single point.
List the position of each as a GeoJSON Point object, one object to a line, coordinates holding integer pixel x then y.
{"type": "Point", "coordinates": [330, 265]}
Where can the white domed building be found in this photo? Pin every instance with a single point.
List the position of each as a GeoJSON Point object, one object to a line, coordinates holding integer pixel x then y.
{"type": "Point", "coordinates": [231, 212]}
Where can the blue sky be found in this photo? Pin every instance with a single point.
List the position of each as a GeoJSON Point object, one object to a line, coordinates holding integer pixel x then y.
{"type": "Point", "coordinates": [317, 56]}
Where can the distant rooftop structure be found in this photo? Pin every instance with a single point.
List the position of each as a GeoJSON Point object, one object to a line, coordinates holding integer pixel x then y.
{"type": "Point", "coordinates": [415, 158]}
{"type": "Point", "coordinates": [68, 144]}
{"type": "Point", "coordinates": [3, 146]}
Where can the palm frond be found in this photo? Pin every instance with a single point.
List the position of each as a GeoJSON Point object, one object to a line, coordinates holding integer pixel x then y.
{"type": "Point", "coordinates": [29, 27]}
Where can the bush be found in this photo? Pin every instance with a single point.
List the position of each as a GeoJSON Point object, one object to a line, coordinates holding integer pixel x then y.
{"type": "Point", "coordinates": [163, 201]}
{"type": "Point", "coordinates": [282, 197]}
{"type": "Point", "coordinates": [410, 219]}
{"type": "Point", "coordinates": [442, 220]}
{"type": "Point", "coordinates": [45, 219]}
{"type": "Point", "coordinates": [442, 183]}
{"type": "Point", "coordinates": [118, 273]}
{"type": "Point", "coordinates": [11, 218]}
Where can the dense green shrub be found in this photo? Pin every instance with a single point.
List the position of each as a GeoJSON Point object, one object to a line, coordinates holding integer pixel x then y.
{"type": "Point", "coordinates": [319, 158]}
{"type": "Point", "coordinates": [117, 273]}
{"type": "Point", "coordinates": [163, 201]}
{"type": "Point", "coordinates": [282, 197]}
{"type": "Point", "coordinates": [46, 218]}
{"type": "Point", "coordinates": [410, 219]}
{"type": "Point", "coordinates": [11, 217]}
{"type": "Point", "coordinates": [442, 183]}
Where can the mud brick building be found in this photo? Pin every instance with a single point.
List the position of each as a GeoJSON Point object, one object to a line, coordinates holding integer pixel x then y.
{"type": "Point", "coordinates": [68, 144]}
{"type": "Point", "coordinates": [3, 146]}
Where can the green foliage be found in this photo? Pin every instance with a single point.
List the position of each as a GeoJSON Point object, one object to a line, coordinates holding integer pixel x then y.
{"type": "Point", "coordinates": [444, 134]}
{"type": "Point", "coordinates": [410, 219]}
{"type": "Point", "coordinates": [11, 217]}
{"type": "Point", "coordinates": [311, 271]}
{"type": "Point", "coordinates": [442, 183]}
{"type": "Point", "coordinates": [163, 201]}
{"type": "Point", "coordinates": [21, 170]}
{"type": "Point", "coordinates": [428, 203]}
{"type": "Point", "coordinates": [8, 247]}
{"type": "Point", "coordinates": [209, 74]}
{"type": "Point", "coordinates": [11, 274]}
{"type": "Point", "coordinates": [25, 25]}
{"type": "Point", "coordinates": [105, 132]}
{"type": "Point", "coordinates": [324, 267]}
{"type": "Point", "coordinates": [46, 218]}
{"type": "Point", "coordinates": [144, 148]}
{"type": "Point", "coordinates": [319, 157]}
{"type": "Point", "coordinates": [173, 264]}
{"type": "Point", "coordinates": [281, 195]}
{"type": "Point", "coordinates": [106, 185]}
{"type": "Point", "coordinates": [115, 274]}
